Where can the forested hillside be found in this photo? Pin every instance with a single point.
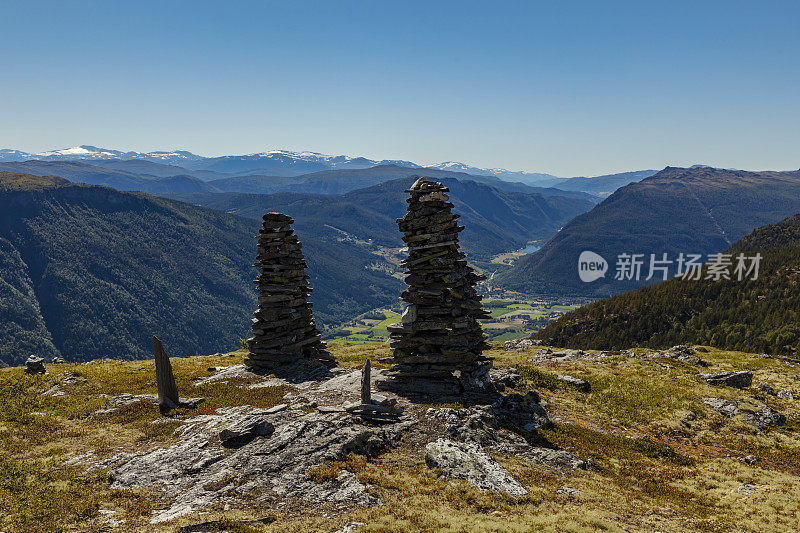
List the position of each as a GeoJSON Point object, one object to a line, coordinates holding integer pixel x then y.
{"type": "Point", "coordinates": [761, 315]}
{"type": "Point", "coordinates": [92, 272]}
{"type": "Point", "coordinates": [496, 221]}
{"type": "Point", "coordinates": [692, 211]}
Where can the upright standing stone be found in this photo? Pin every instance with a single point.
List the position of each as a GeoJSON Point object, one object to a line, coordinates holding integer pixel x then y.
{"type": "Point", "coordinates": [366, 383]}
{"type": "Point", "coordinates": [165, 379]}
{"type": "Point", "coordinates": [283, 326]}
{"type": "Point", "coordinates": [438, 344]}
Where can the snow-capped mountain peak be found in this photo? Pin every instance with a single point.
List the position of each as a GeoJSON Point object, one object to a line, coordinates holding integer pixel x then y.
{"type": "Point", "coordinates": [83, 151]}
{"type": "Point", "coordinates": [277, 161]}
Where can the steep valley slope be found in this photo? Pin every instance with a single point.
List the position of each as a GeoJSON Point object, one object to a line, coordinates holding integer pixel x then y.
{"type": "Point", "coordinates": [756, 315]}
{"type": "Point", "coordinates": [691, 211]}
{"type": "Point", "coordinates": [93, 272]}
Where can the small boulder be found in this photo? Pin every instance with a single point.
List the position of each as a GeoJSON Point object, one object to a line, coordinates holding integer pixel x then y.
{"type": "Point", "coordinates": [521, 344]}
{"type": "Point", "coordinates": [351, 527]}
{"type": "Point", "coordinates": [35, 365]}
{"type": "Point", "coordinates": [569, 491]}
{"type": "Point", "coordinates": [580, 384]}
{"type": "Point", "coordinates": [727, 408]}
{"type": "Point", "coordinates": [682, 348]}
{"type": "Point", "coordinates": [524, 412]}
{"type": "Point", "coordinates": [471, 463]}
{"type": "Point", "coordinates": [765, 388]}
{"type": "Point", "coordinates": [59, 361]}
{"type": "Point", "coordinates": [252, 425]}
{"type": "Point", "coordinates": [785, 395]}
{"type": "Point", "coordinates": [747, 489]}
{"type": "Point", "coordinates": [739, 379]}
{"type": "Point", "coordinates": [750, 459]}
{"type": "Point", "coordinates": [561, 460]}
{"type": "Point", "coordinates": [766, 417]}
{"type": "Point", "coordinates": [504, 378]}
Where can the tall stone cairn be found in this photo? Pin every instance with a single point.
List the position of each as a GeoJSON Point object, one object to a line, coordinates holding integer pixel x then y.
{"type": "Point", "coordinates": [283, 326]}
{"type": "Point", "coordinates": [437, 347]}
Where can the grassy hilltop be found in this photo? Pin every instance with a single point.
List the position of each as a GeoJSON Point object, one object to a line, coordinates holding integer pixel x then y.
{"type": "Point", "coordinates": [659, 458]}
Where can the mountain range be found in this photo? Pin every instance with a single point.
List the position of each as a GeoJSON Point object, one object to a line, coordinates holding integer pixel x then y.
{"type": "Point", "coordinates": [90, 271]}
{"type": "Point", "coordinates": [263, 170]}
{"type": "Point", "coordinates": [496, 220]}
{"type": "Point", "coordinates": [759, 315]}
{"type": "Point", "coordinates": [157, 178]}
{"type": "Point", "coordinates": [602, 186]}
{"type": "Point", "coordinates": [699, 210]}
{"type": "Point", "coordinates": [281, 162]}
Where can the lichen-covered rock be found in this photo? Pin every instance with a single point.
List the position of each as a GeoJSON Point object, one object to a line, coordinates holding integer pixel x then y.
{"type": "Point", "coordinates": [765, 418]}
{"type": "Point", "coordinates": [727, 408]}
{"type": "Point", "coordinates": [577, 383]}
{"type": "Point", "coordinates": [523, 411]}
{"type": "Point", "coordinates": [765, 388]}
{"type": "Point", "coordinates": [255, 424]}
{"type": "Point", "coordinates": [199, 469]}
{"type": "Point", "coordinates": [504, 378]}
{"type": "Point", "coordinates": [521, 344]}
{"type": "Point", "coordinates": [471, 463]}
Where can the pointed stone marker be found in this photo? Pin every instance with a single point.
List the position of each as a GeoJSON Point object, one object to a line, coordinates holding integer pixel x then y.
{"type": "Point", "coordinates": [167, 390]}
{"type": "Point", "coordinates": [366, 396]}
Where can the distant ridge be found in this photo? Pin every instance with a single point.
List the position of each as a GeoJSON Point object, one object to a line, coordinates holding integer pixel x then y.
{"type": "Point", "coordinates": [90, 174]}
{"type": "Point", "coordinates": [678, 210]}
{"type": "Point", "coordinates": [270, 162]}
{"type": "Point", "coordinates": [496, 220]}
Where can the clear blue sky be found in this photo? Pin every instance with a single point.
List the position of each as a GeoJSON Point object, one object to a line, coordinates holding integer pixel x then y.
{"type": "Point", "coordinates": [570, 88]}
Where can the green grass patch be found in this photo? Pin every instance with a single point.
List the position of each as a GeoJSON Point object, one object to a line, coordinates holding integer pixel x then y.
{"type": "Point", "coordinates": [536, 379]}
{"type": "Point", "coordinates": [35, 497]}
{"type": "Point", "coordinates": [638, 399]}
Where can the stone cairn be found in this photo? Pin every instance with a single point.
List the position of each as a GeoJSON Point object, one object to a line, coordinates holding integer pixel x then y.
{"type": "Point", "coordinates": [283, 326]}
{"type": "Point", "coordinates": [437, 347]}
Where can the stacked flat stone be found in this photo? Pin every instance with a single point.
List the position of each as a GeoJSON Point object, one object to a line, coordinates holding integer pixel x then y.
{"type": "Point", "coordinates": [283, 326]}
{"type": "Point", "coordinates": [438, 345]}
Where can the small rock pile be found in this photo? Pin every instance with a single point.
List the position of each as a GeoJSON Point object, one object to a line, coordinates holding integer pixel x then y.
{"type": "Point", "coordinates": [373, 408]}
{"type": "Point", "coordinates": [437, 347]}
{"type": "Point", "coordinates": [283, 326]}
{"type": "Point", "coordinates": [35, 365]}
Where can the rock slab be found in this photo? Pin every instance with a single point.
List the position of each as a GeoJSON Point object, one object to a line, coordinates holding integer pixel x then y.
{"type": "Point", "coordinates": [469, 462]}
{"type": "Point", "coordinates": [740, 379]}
